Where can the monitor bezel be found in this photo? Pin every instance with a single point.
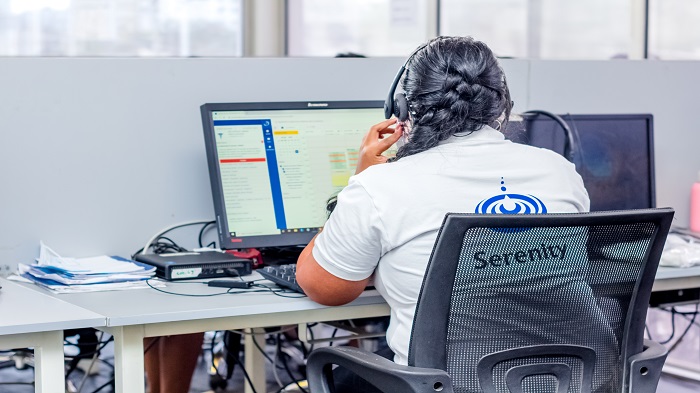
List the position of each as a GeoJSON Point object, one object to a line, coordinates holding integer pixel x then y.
{"type": "Point", "coordinates": [226, 241]}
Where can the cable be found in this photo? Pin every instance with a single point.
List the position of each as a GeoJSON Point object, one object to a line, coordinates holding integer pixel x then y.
{"type": "Point", "coordinates": [108, 363]}
{"type": "Point", "coordinates": [286, 366]}
{"type": "Point", "coordinates": [685, 315]}
{"type": "Point", "coordinates": [245, 373]}
{"type": "Point", "coordinates": [692, 321]}
{"type": "Point", "coordinates": [201, 232]}
{"type": "Point", "coordinates": [570, 146]}
{"type": "Point", "coordinates": [228, 292]}
{"type": "Point", "coordinates": [17, 383]}
{"type": "Point", "coordinates": [241, 332]}
{"type": "Point", "coordinates": [272, 361]}
{"type": "Point", "coordinates": [646, 328]}
{"type": "Point", "coordinates": [166, 245]}
{"type": "Point", "coordinates": [311, 346]}
{"type": "Point", "coordinates": [262, 351]}
{"type": "Point", "coordinates": [154, 342]}
{"type": "Point", "coordinates": [145, 248]}
{"type": "Point", "coordinates": [111, 381]}
{"type": "Point", "coordinates": [213, 354]}
{"type": "Point", "coordinates": [92, 363]}
{"type": "Point", "coordinates": [274, 372]}
{"type": "Point", "coordinates": [673, 327]}
{"type": "Point", "coordinates": [335, 331]}
{"type": "Point", "coordinates": [84, 355]}
{"type": "Point", "coordinates": [579, 157]}
{"type": "Point", "coordinates": [280, 291]}
{"type": "Point", "coordinates": [240, 364]}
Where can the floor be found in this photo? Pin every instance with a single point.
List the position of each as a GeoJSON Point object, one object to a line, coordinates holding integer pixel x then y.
{"type": "Point", "coordinates": [201, 378]}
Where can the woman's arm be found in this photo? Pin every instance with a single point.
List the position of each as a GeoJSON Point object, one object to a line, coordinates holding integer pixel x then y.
{"type": "Point", "coordinates": [323, 287]}
{"type": "Point", "coordinates": [320, 285]}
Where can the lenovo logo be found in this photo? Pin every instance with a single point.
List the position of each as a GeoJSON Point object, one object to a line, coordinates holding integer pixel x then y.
{"type": "Point", "coordinates": [317, 105]}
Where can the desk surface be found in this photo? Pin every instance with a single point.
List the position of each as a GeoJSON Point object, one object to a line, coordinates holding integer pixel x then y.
{"type": "Point", "coordinates": [673, 278]}
{"type": "Point", "coordinates": [148, 306]}
{"type": "Point", "coordinates": [25, 310]}
{"type": "Point", "coordinates": [666, 273]}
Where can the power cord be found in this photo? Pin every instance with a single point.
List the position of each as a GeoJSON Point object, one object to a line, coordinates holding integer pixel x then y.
{"type": "Point", "coordinates": [92, 364]}
{"type": "Point", "coordinates": [145, 248]}
{"type": "Point", "coordinates": [238, 361]}
{"type": "Point", "coordinates": [686, 315]}
{"type": "Point", "coordinates": [286, 366]}
{"type": "Point", "coordinates": [201, 233]}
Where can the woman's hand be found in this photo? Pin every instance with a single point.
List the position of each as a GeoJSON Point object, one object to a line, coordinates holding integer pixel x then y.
{"type": "Point", "coordinates": [379, 138]}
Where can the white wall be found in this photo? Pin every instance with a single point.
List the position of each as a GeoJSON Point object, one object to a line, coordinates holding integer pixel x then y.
{"type": "Point", "coordinates": [99, 154]}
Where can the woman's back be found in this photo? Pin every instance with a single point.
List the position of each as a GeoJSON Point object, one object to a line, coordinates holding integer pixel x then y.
{"type": "Point", "coordinates": [398, 209]}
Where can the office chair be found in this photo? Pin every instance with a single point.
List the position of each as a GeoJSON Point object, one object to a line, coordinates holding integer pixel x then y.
{"type": "Point", "coordinates": [527, 303]}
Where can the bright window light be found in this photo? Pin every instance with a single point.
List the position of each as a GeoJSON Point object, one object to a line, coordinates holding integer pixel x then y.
{"type": "Point", "coordinates": [22, 6]}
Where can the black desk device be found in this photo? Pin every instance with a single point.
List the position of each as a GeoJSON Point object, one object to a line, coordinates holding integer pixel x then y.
{"type": "Point", "coordinates": [189, 265]}
{"type": "Point", "coordinates": [282, 275]}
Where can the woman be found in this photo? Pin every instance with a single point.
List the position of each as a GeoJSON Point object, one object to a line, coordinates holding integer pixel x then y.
{"type": "Point", "coordinates": [454, 160]}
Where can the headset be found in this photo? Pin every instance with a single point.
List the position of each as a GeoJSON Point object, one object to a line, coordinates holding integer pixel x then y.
{"type": "Point", "coordinates": [571, 147]}
{"type": "Point", "coordinates": [396, 103]}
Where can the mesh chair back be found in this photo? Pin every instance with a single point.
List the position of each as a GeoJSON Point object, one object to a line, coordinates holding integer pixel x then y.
{"type": "Point", "coordinates": [519, 286]}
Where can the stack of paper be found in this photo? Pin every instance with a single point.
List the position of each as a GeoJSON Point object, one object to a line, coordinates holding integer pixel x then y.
{"type": "Point", "coordinates": [101, 273]}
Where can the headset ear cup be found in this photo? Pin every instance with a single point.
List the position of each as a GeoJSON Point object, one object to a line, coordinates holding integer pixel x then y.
{"type": "Point", "coordinates": [401, 107]}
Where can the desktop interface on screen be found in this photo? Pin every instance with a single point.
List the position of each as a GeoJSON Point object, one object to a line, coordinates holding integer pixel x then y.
{"type": "Point", "coordinates": [273, 166]}
{"type": "Point", "coordinates": [615, 155]}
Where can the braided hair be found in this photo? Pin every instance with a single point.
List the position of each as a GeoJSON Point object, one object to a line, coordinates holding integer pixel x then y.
{"type": "Point", "coordinates": [452, 85]}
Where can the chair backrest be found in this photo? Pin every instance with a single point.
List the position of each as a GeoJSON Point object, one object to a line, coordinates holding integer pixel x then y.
{"type": "Point", "coordinates": [538, 303]}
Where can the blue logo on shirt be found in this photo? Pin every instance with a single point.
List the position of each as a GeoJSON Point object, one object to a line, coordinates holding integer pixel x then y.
{"type": "Point", "coordinates": [511, 204]}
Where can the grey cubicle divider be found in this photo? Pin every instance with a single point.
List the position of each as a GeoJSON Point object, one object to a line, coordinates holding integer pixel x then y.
{"type": "Point", "coordinates": [98, 154]}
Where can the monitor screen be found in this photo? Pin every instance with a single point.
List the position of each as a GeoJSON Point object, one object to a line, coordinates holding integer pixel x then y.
{"type": "Point", "coordinates": [615, 155]}
{"type": "Point", "coordinates": [273, 166]}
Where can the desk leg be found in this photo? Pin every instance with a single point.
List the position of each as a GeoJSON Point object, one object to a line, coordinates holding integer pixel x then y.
{"type": "Point", "coordinates": [128, 358]}
{"type": "Point", "coordinates": [255, 361]}
{"type": "Point", "coordinates": [49, 366]}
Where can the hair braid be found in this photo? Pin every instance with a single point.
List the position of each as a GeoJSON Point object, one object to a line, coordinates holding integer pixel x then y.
{"type": "Point", "coordinates": [454, 84]}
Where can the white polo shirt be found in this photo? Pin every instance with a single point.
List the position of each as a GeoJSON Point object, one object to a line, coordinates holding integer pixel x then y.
{"type": "Point", "coordinates": [387, 218]}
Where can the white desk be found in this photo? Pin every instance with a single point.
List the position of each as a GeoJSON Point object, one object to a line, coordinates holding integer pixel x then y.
{"type": "Point", "coordinates": [672, 278]}
{"type": "Point", "coordinates": [31, 319]}
{"type": "Point", "coordinates": [135, 314]}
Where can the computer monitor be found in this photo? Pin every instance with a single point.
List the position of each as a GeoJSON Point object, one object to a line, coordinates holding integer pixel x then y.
{"type": "Point", "coordinates": [273, 166]}
{"type": "Point", "coordinates": [615, 155]}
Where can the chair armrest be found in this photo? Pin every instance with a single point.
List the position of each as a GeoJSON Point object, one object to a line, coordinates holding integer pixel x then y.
{"type": "Point", "coordinates": [645, 368]}
{"type": "Point", "coordinates": [386, 375]}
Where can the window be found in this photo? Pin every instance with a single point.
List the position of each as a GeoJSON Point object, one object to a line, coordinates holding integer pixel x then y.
{"type": "Point", "coordinates": [367, 27]}
{"type": "Point", "coordinates": [673, 29]}
{"type": "Point", "coordinates": [121, 28]}
{"type": "Point", "coordinates": [547, 29]}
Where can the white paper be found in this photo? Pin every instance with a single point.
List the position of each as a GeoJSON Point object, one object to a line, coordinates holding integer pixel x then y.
{"type": "Point", "coordinates": [93, 265]}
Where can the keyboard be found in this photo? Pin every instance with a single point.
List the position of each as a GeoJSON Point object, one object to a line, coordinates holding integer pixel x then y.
{"type": "Point", "coordinates": [282, 275]}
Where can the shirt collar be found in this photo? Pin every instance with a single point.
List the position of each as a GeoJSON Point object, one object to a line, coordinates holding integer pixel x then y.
{"type": "Point", "coordinates": [484, 135]}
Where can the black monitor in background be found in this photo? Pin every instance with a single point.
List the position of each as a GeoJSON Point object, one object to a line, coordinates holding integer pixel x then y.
{"type": "Point", "coordinates": [615, 154]}
{"type": "Point", "coordinates": [273, 166]}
